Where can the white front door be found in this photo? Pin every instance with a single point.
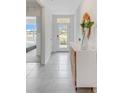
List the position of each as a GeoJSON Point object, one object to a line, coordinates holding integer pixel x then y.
{"type": "Point", "coordinates": [62, 28]}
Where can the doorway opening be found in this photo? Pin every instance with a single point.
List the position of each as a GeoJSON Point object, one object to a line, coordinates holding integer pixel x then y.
{"type": "Point", "coordinates": [62, 32]}
{"type": "Point", "coordinates": [31, 28]}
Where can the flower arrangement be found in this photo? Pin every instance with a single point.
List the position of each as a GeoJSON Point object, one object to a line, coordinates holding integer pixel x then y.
{"type": "Point", "coordinates": [87, 23]}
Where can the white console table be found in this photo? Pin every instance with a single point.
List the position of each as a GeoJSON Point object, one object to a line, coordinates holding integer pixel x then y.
{"type": "Point", "coordinates": [84, 66]}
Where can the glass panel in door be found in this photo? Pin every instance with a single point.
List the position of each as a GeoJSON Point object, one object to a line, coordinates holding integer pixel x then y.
{"type": "Point", "coordinates": [62, 35]}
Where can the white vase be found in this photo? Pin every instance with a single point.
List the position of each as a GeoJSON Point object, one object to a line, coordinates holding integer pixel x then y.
{"type": "Point", "coordinates": [84, 43]}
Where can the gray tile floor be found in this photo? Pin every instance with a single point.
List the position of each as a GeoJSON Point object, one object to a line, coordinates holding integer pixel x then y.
{"type": "Point", "coordinates": [54, 77]}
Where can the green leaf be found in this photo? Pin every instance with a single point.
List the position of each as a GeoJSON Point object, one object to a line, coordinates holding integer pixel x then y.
{"type": "Point", "coordinates": [87, 24]}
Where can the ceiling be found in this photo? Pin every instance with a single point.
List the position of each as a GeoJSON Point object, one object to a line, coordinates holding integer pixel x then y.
{"type": "Point", "coordinates": [61, 6]}
{"type": "Point", "coordinates": [56, 6]}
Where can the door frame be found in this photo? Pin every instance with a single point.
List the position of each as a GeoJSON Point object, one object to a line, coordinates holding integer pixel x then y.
{"type": "Point", "coordinates": [70, 33]}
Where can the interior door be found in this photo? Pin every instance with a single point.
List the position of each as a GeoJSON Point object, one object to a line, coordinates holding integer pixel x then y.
{"type": "Point", "coordinates": [61, 33]}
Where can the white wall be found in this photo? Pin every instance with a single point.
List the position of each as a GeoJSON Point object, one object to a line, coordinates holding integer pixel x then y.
{"type": "Point", "coordinates": [77, 33]}
{"type": "Point", "coordinates": [90, 7]}
{"type": "Point", "coordinates": [38, 37]}
{"type": "Point", "coordinates": [48, 33]}
{"type": "Point", "coordinates": [43, 36]}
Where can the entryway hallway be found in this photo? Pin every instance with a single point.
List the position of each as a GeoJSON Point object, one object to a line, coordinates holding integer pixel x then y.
{"type": "Point", "coordinates": [53, 77]}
